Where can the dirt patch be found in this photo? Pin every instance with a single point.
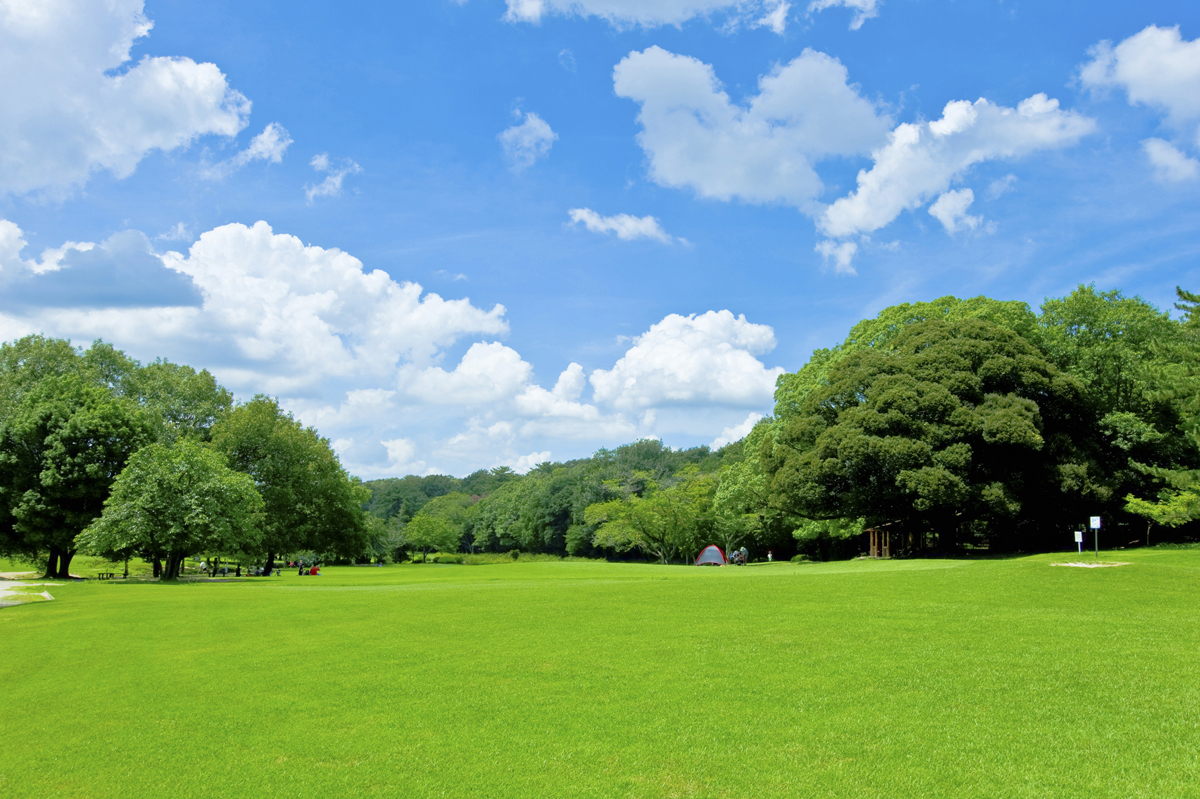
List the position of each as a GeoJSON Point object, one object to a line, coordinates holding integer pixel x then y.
{"type": "Point", "coordinates": [1090, 565]}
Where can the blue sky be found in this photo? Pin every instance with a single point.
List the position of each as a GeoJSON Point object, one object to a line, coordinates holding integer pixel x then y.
{"type": "Point", "coordinates": [454, 235]}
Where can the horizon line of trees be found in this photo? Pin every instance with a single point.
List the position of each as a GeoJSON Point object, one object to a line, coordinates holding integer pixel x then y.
{"type": "Point", "coordinates": [952, 424]}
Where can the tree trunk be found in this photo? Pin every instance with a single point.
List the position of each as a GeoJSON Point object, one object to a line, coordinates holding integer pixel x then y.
{"type": "Point", "coordinates": [270, 567]}
{"type": "Point", "coordinates": [158, 568]}
{"type": "Point", "coordinates": [51, 565]}
{"type": "Point", "coordinates": [64, 564]}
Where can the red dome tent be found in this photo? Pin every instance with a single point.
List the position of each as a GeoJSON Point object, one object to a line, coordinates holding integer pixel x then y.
{"type": "Point", "coordinates": [711, 555]}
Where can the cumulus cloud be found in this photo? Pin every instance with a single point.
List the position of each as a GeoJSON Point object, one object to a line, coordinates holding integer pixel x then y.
{"type": "Point", "coordinates": [74, 104]}
{"type": "Point", "coordinates": [275, 315]}
{"type": "Point", "coordinates": [625, 226]}
{"type": "Point", "coordinates": [653, 13]}
{"type": "Point", "coordinates": [707, 358]}
{"type": "Point", "coordinates": [269, 146]}
{"type": "Point", "coordinates": [332, 185]}
{"type": "Point", "coordinates": [762, 151]}
{"type": "Point", "coordinates": [487, 373]}
{"type": "Point", "coordinates": [921, 159]}
{"type": "Point", "coordinates": [1170, 164]}
{"type": "Point", "coordinates": [359, 355]}
{"type": "Point", "coordinates": [736, 432]}
{"type": "Point", "coordinates": [951, 210]}
{"type": "Point", "coordinates": [525, 143]}
{"type": "Point", "coordinates": [863, 9]}
{"type": "Point", "coordinates": [526, 462]}
{"type": "Point", "coordinates": [1155, 67]}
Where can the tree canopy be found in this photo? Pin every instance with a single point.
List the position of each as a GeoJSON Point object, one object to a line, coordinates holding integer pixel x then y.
{"type": "Point", "coordinates": [172, 501]}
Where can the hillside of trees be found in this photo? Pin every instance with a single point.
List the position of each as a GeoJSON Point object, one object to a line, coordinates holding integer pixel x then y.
{"type": "Point", "coordinates": [951, 425]}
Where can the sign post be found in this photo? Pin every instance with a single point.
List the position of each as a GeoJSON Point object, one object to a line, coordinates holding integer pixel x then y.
{"type": "Point", "coordinates": [1079, 540]}
{"type": "Point", "coordinates": [1095, 525]}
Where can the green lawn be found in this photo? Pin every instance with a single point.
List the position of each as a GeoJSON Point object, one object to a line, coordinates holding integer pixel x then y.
{"type": "Point", "coordinates": [923, 678]}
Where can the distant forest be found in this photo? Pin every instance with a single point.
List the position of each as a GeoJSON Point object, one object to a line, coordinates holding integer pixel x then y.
{"type": "Point", "coordinates": [944, 426]}
{"type": "Point", "coordinates": [949, 425]}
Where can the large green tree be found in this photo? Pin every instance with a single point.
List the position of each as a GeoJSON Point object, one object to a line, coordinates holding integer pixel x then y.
{"type": "Point", "coordinates": [61, 448]}
{"type": "Point", "coordinates": [310, 501]}
{"type": "Point", "coordinates": [958, 427]}
{"type": "Point", "coordinates": [172, 501]}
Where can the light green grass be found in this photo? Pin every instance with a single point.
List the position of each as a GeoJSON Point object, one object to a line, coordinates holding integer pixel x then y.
{"type": "Point", "coordinates": [922, 678]}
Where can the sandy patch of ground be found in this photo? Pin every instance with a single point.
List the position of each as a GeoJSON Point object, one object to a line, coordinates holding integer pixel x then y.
{"type": "Point", "coordinates": [14, 594]}
{"type": "Point", "coordinates": [17, 575]}
{"type": "Point", "coordinates": [1092, 565]}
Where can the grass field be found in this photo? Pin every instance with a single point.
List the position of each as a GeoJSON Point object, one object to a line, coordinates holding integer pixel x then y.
{"type": "Point", "coordinates": [919, 678]}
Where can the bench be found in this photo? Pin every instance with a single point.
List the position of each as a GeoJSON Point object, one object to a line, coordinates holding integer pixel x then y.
{"type": "Point", "coordinates": [106, 575]}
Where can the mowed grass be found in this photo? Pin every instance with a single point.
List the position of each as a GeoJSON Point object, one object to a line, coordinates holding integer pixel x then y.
{"type": "Point", "coordinates": [922, 678]}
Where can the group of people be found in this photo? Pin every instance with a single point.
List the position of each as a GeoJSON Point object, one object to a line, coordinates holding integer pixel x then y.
{"type": "Point", "coordinates": [738, 557]}
{"type": "Point", "coordinates": [258, 571]}
{"type": "Point", "coordinates": [313, 571]}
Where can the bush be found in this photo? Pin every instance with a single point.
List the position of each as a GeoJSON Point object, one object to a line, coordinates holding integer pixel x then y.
{"type": "Point", "coordinates": [448, 559]}
{"type": "Point", "coordinates": [801, 558]}
{"type": "Point", "coordinates": [515, 553]}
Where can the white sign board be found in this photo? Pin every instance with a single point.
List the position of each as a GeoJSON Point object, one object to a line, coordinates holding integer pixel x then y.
{"type": "Point", "coordinates": [1095, 522]}
{"type": "Point", "coordinates": [1079, 536]}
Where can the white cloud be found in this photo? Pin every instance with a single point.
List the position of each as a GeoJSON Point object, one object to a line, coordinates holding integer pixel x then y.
{"type": "Point", "coordinates": [625, 226]}
{"type": "Point", "coordinates": [951, 210]}
{"type": "Point", "coordinates": [332, 185]}
{"type": "Point", "coordinates": [921, 159]}
{"type": "Point", "coordinates": [774, 15]}
{"type": "Point", "coordinates": [356, 354]}
{"type": "Point", "coordinates": [653, 13]}
{"type": "Point", "coordinates": [525, 143]}
{"type": "Point", "coordinates": [698, 359]}
{"type": "Point", "coordinates": [269, 146]}
{"type": "Point", "coordinates": [841, 254]}
{"type": "Point", "coordinates": [761, 152]}
{"type": "Point", "coordinates": [1169, 163]}
{"type": "Point", "coordinates": [1001, 186]}
{"type": "Point", "coordinates": [179, 232]}
{"type": "Point", "coordinates": [487, 373]}
{"type": "Point", "coordinates": [1155, 67]}
{"type": "Point", "coordinates": [863, 9]}
{"type": "Point", "coordinates": [73, 104]}
{"type": "Point", "coordinates": [401, 455]}
{"type": "Point", "coordinates": [736, 432]}
{"type": "Point", "coordinates": [279, 316]}
{"type": "Point", "coordinates": [526, 462]}
{"type": "Point", "coordinates": [12, 242]}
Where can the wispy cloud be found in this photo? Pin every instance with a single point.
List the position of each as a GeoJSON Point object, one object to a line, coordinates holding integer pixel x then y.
{"type": "Point", "coordinates": [332, 185]}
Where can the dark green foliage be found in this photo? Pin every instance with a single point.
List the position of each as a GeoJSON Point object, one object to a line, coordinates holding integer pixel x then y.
{"type": "Point", "coordinates": [61, 448]}
{"type": "Point", "coordinates": [959, 428]}
{"type": "Point", "coordinates": [310, 501]}
{"type": "Point", "coordinates": [405, 496]}
{"type": "Point", "coordinates": [171, 502]}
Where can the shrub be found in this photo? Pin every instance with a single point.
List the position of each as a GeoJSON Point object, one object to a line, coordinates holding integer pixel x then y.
{"type": "Point", "coordinates": [448, 559]}
{"type": "Point", "coordinates": [801, 558]}
{"type": "Point", "coordinates": [515, 553]}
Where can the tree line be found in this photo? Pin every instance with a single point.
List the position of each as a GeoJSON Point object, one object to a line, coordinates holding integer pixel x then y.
{"type": "Point", "coordinates": [952, 424]}
{"type": "Point", "coordinates": [102, 454]}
